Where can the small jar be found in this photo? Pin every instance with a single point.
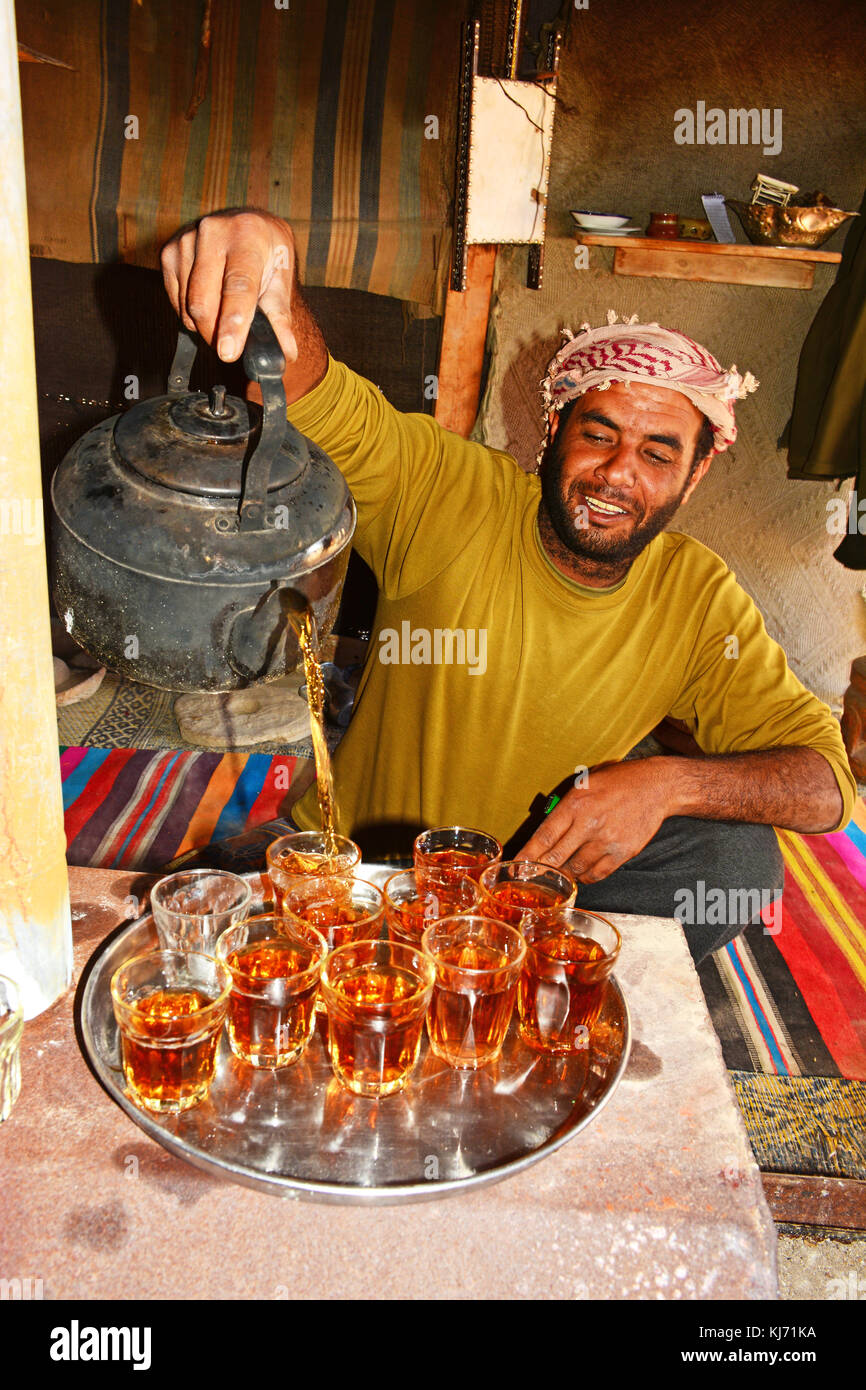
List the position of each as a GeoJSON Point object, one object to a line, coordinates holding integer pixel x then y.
{"type": "Point", "coordinates": [664, 225]}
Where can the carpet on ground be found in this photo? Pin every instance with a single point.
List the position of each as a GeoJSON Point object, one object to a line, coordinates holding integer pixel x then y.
{"type": "Point", "coordinates": [789, 998]}
{"type": "Point", "coordinates": [126, 715]}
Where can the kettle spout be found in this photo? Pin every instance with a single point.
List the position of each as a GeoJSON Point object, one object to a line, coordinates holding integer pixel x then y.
{"type": "Point", "coordinates": [262, 642]}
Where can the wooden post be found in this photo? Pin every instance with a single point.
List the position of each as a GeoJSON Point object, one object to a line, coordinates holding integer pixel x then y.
{"type": "Point", "coordinates": [464, 334]}
{"type": "Point", "coordinates": [35, 925]}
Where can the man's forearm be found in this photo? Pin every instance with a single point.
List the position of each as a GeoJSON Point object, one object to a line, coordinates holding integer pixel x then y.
{"type": "Point", "coordinates": [793, 788]}
{"type": "Point", "coordinates": [311, 364]}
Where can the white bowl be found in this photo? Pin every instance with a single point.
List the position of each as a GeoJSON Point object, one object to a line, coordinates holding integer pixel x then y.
{"type": "Point", "coordinates": [598, 221]}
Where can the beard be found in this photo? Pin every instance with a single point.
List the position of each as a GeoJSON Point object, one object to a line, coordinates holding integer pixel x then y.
{"type": "Point", "coordinates": [596, 543]}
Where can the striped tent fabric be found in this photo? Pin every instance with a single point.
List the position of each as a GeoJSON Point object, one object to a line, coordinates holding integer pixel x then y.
{"type": "Point", "coordinates": [338, 116]}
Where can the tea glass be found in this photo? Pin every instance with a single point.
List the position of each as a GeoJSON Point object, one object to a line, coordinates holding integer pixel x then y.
{"type": "Point", "coordinates": [445, 856]}
{"type": "Point", "coordinates": [565, 979]}
{"type": "Point", "coordinates": [192, 909]}
{"type": "Point", "coordinates": [376, 994]}
{"type": "Point", "coordinates": [11, 1028]}
{"type": "Point", "coordinates": [410, 909]}
{"type": "Point", "coordinates": [478, 963]}
{"type": "Point", "coordinates": [170, 1008]}
{"type": "Point", "coordinates": [275, 967]}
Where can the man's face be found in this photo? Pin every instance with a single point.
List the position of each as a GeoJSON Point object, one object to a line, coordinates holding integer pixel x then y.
{"type": "Point", "coordinates": [614, 477]}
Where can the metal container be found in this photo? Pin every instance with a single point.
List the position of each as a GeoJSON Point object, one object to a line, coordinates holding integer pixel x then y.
{"type": "Point", "coordinates": [184, 529]}
{"type": "Point", "coordinates": [297, 1134]}
{"type": "Point", "coordinates": [772, 225]}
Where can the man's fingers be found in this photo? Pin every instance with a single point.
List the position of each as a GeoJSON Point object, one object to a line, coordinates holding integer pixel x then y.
{"type": "Point", "coordinates": [168, 263]}
{"type": "Point", "coordinates": [581, 850]}
{"type": "Point", "coordinates": [218, 271]}
{"type": "Point", "coordinates": [541, 844]}
{"type": "Point", "coordinates": [177, 260]}
{"type": "Point", "coordinates": [224, 287]}
{"type": "Point", "coordinates": [592, 870]}
{"type": "Point", "coordinates": [558, 837]}
{"type": "Point", "coordinates": [276, 303]}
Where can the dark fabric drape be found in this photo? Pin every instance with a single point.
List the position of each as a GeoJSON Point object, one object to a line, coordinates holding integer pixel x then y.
{"type": "Point", "coordinates": [826, 435]}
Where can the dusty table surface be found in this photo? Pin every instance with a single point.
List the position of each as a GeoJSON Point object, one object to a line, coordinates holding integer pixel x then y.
{"type": "Point", "coordinates": [659, 1197]}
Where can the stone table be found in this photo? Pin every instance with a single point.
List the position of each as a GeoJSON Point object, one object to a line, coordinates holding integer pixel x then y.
{"type": "Point", "coordinates": [659, 1197]}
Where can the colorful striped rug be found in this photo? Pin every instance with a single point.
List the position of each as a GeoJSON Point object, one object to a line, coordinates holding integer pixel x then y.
{"type": "Point", "coordinates": [791, 1003]}
{"type": "Point", "coordinates": [129, 808]}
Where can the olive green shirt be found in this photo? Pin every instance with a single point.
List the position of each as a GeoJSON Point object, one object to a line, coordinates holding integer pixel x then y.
{"type": "Point", "coordinates": [551, 676]}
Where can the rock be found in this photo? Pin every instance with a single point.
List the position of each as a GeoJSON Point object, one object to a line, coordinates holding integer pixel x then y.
{"type": "Point", "coordinates": [68, 650]}
{"type": "Point", "coordinates": [238, 718]}
{"type": "Point", "coordinates": [78, 685]}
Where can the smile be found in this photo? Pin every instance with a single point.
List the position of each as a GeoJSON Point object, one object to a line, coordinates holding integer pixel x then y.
{"type": "Point", "coordinates": [595, 504]}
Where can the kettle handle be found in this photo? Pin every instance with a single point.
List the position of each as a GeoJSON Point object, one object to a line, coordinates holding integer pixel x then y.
{"type": "Point", "coordinates": [263, 362]}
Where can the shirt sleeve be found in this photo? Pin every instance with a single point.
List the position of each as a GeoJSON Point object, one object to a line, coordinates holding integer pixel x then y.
{"type": "Point", "coordinates": [739, 694]}
{"type": "Point", "coordinates": [421, 491]}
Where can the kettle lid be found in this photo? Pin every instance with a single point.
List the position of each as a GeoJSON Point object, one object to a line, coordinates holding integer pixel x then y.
{"type": "Point", "coordinates": [198, 443]}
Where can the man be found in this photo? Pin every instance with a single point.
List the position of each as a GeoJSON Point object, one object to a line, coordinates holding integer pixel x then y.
{"type": "Point", "coordinates": [593, 622]}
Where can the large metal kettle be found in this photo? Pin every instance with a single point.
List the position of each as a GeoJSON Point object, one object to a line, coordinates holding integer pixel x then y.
{"type": "Point", "coordinates": [180, 524]}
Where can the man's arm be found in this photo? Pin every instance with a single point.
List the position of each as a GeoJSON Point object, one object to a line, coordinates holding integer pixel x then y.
{"type": "Point", "coordinates": [216, 273]}
{"type": "Point", "coordinates": [419, 490]}
{"type": "Point", "coordinates": [609, 819]}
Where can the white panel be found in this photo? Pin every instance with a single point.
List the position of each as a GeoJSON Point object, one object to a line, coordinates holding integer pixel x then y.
{"type": "Point", "coordinates": [509, 158]}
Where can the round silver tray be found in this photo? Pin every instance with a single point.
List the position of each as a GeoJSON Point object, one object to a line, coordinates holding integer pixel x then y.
{"type": "Point", "coordinates": [297, 1133]}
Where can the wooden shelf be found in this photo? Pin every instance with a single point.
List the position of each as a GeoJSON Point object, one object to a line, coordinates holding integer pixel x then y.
{"type": "Point", "coordinates": [734, 264]}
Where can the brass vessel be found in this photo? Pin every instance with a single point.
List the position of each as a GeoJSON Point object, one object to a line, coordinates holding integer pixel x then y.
{"type": "Point", "coordinates": [771, 225]}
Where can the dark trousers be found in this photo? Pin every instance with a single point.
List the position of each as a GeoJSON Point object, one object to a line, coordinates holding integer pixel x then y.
{"type": "Point", "coordinates": [714, 876]}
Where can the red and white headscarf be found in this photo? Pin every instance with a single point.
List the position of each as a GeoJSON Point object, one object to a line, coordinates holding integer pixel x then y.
{"type": "Point", "coordinates": [594, 358]}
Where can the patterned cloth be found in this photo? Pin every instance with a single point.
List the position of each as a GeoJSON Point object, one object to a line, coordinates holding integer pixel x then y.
{"type": "Point", "coordinates": [338, 116]}
{"type": "Point", "coordinates": [792, 1001]}
{"type": "Point", "coordinates": [631, 351]}
{"type": "Point", "coordinates": [124, 714]}
{"type": "Point", "coordinates": [126, 808]}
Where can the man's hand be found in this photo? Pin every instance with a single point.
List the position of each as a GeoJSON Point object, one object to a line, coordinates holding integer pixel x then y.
{"type": "Point", "coordinates": [599, 826]}
{"type": "Point", "coordinates": [602, 824]}
{"type": "Point", "coordinates": [216, 273]}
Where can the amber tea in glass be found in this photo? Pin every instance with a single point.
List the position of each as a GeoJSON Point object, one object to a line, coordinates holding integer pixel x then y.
{"type": "Point", "coordinates": [275, 967]}
{"type": "Point", "coordinates": [564, 979]}
{"type": "Point", "coordinates": [520, 891]}
{"type": "Point", "coordinates": [306, 854]}
{"type": "Point", "coordinates": [409, 910]}
{"type": "Point", "coordinates": [170, 1007]}
{"type": "Point", "coordinates": [445, 856]}
{"type": "Point", "coordinates": [376, 994]}
{"type": "Point", "coordinates": [478, 963]}
{"type": "Point", "coordinates": [342, 909]}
